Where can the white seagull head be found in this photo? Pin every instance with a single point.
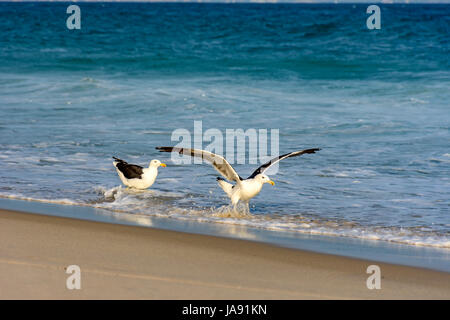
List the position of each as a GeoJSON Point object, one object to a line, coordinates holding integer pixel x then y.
{"type": "Point", "coordinates": [264, 179]}
{"type": "Point", "coordinates": [156, 163]}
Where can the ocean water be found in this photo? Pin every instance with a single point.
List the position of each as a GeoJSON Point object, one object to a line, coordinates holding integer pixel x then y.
{"type": "Point", "coordinates": [376, 102]}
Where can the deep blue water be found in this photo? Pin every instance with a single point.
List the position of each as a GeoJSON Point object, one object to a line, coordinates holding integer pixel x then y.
{"type": "Point", "coordinates": [375, 101]}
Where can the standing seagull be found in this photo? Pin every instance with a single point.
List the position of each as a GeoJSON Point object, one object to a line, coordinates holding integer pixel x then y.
{"type": "Point", "coordinates": [135, 176]}
{"type": "Point", "coordinates": [244, 189]}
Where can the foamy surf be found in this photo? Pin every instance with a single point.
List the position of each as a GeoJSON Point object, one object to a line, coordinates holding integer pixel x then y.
{"type": "Point", "coordinates": [154, 203]}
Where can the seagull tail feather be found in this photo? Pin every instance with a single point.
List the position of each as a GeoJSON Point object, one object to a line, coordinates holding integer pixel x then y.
{"type": "Point", "coordinates": [227, 187]}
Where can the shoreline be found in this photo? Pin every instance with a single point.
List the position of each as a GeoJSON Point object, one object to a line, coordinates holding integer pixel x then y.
{"type": "Point", "coordinates": [129, 262]}
{"type": "Point", "coordinates": [379, 250]}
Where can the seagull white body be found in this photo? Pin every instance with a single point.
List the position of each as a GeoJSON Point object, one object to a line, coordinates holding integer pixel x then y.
{"type": "Point", "coordinates": [135, 176]}
{"type": "Point", "coordinates": [244, 189]}
{"type": "Point", "coordinates": [147, 180]}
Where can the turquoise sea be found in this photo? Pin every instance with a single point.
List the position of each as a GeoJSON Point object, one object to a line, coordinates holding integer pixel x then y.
{"type": "Point", "coordinates": [375, 101]}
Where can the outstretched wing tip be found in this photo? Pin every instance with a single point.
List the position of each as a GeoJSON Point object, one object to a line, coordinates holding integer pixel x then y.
{"type": "Point", "coordinates": [310, 151]}
{"type": "Point", "coordinates": [166, 149]}
{"type": "Point", "coordinates": [267, 165]}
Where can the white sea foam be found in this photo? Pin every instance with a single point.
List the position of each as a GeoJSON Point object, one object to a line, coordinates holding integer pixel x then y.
{"type": "Point", "coordinates": [415, 100]}
{"type": "Point", "coordinates": [355, 173]}
{"type": "Point", "coordinates": [144, 204]}
{"type": "Point", "coordinates": [58, 50]}
{"type": "Point", "coordinates": [56, 201]}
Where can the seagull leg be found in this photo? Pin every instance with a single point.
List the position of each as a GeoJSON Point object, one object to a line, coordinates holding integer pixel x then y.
{"type": "Point", "coordinates": [247, 207]}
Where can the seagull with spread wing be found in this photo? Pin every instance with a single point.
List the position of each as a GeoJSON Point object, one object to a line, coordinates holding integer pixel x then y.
{"type": "Point", "coordinates": [244, 189]}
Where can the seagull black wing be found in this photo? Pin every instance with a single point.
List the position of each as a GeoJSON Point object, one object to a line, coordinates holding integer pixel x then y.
{"type": "Point", "coordinates": [130, 171]}
{"type": "Point", "coordinates": [267, 165]}
{"type": "Point", "coordinates": [219, 163]}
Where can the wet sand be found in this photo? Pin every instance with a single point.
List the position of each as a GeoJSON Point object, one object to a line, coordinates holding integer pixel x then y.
{"type": "Point", "coordinates": [127, 262]}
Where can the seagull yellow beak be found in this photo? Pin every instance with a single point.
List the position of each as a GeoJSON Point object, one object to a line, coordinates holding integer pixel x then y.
{"type": "Point", "coordinates": [271, 182]}
{"type": "Point", "coordinates": [163, 165]}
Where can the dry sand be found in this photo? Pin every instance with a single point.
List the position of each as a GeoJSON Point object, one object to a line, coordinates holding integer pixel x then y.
{"type": "Point", "coordinates": [125, 262]}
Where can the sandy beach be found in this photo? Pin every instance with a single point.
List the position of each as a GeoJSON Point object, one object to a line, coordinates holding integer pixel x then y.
{"type": "Point", "coordinates": [126, 262]}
